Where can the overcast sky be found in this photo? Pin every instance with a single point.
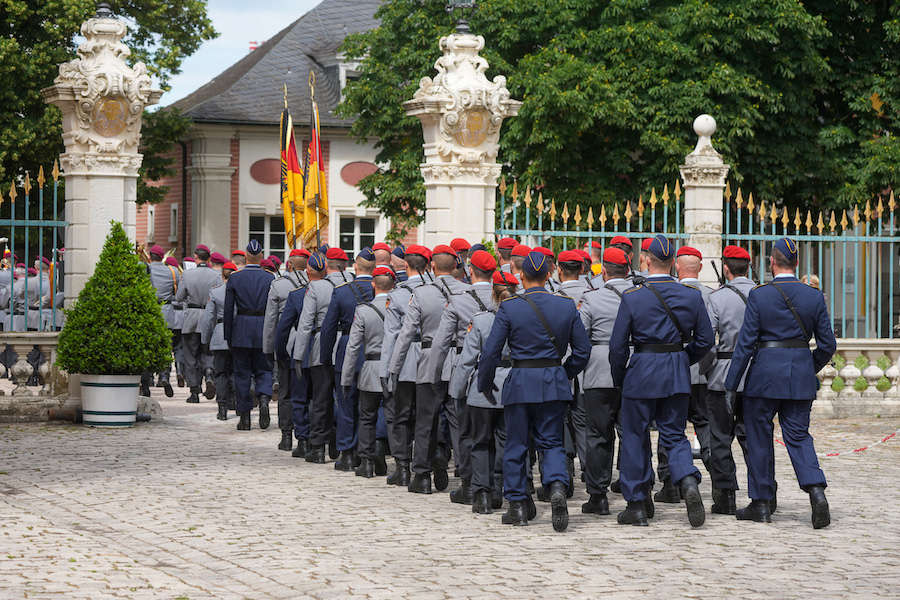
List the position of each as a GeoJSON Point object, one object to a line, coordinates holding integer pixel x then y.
{"type": "Point", "coordinates": [238, 22]}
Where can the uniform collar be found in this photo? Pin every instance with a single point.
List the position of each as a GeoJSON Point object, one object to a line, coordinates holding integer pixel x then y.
{"type": "Point", "coordinates": [380, 295]}
{"type": "Point", "coordinates": [785, 276]}
{"type": "Point", "coordinates": [570, 283]}
{"type": "Point", "coordinates": [358, 277]}
{"type": "Point", "coordinates": [689, 279]}
{"type": "Point", "coordinates": [741, 279]}
{"type": "Point", "coordinates": [659, 276]}
{"type": "Point", "coordinates": [614, 279]}
{"type": "Point", "coordinates": [398, 271]}
{"type": "Point", "coordinates": [482, 283]}
{"type": "Point", "coordinates": [252, 267]}
{"type": "Point", "coordinates": [537, 288]}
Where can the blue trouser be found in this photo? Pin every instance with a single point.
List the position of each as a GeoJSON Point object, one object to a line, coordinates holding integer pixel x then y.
{"type": "Point", "coordinates": [793, 415]}
{"type": "Point", "coordinates": [635, 468]}
{"type": "Point", "coordinates": [346, 414]}
{"type": "Point", "coordinates": [250, 362]}
{"type": "Point", "coordinates": [300, 393]}
{"type": "Point", "coordinates": [545, 421]}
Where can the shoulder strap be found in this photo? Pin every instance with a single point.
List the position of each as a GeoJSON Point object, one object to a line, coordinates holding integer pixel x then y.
{"type": "Point", "coordinates": [295, 280]}
{"type": "Point", "coordinates": [738, 292]}
{"type": "Point", "coordinates": [329, 281]}
{"type": "Point", "coordinates": [443, 293]}
{"type": "Point", "coordinates": [544, 323]}
{"type": "Point", "coordinates": [375, 308]}
{"type": "Point", "coordinates": [613, 288]}
{"type": "Point", "coordinates": [590, 283]}
{"type": "Point", "coordinates": [356, 294]}
{"type": "Point", "coordinates": [478, 300]}
{"type": "Point", "coordinates": [790, 305]}
{"type": "Point", "coordinates": [684, 337]}
{"type": "Point", "coordinates": [174, 279]}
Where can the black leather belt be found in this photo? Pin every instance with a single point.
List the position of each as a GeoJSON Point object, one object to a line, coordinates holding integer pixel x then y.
{"type": "Point", "coordinates": [179, 307]}
{"type": "Point", "coordinates": [426, 344]}
{"type": "Point", "coordinates": [535, 363]}
{"type": "Point", "coordinates": [373, 356]}
{"type": "Point", "coordinates": [458, 349]}
{"type": "Point", "coordinates": [417, 339]}
{"type": "Point", "coordinates": [599, 343]}
{"type": "Point", "coordinates": [507, 363]}
{"type": "Point", "coordinates": [252, 313]}
{"type": "Point", "coordinates": [795, 343]}
{"type": "Point", "coordinates": [724, 355]}
{"type": "Point", "coordinates": [658, 348]}
{"type": "Point", "coordinates": [219, 321]}
{"type": "Point", "coordinates": [197, 306]}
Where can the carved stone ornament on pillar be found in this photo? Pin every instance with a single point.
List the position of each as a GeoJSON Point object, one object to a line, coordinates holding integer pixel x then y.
{"type": "Point", "coordinates": [704, 166]}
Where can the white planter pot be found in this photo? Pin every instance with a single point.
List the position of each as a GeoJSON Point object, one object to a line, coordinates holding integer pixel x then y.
{"type": "Point", "coordinates": [109, 400]}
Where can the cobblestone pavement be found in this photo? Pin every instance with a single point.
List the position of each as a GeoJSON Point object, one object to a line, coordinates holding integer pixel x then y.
{"type": "Point", "coordinates": [190, 508]}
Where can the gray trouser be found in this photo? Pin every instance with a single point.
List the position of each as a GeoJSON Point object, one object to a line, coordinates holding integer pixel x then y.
{"type": "Point", "coordinates": [429, 400]}
{"type": "Point", "coordinates": [488, 436]}
{"type": "Point", "coordinates": [602, 408]}
{"type": "Point", "coordinates": [222, 373]}
{"type": "Point", "coordinates": [399, 412]}
{"type": "Point", "coordinates": [194, 362]}
{"type": "Point", "coordinates": [282, 372]}
{"type": "Point", "coordinates": [368, 415]}
{"type": "Point", "coordinates": [463, 445]}
{"type": "Point", "coordinates": [578, 427]}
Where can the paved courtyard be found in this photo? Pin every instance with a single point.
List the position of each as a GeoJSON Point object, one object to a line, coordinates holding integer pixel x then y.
{"type": "Point", "coordinates": [187, 507]}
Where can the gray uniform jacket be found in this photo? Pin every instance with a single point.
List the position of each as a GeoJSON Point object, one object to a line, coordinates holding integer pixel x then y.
{"type": "Point", "coordinates": [193, 293]}
{"type": "Point", "coordinates": [726, 315]}
{"type": "Point", "coordinates": [165, 280]}
{"type": "Point", "coordinates": [213, 332]}
{"type": "Point", "coordinates": [366, 336]}
{"type": "Point", "coordinates": [423, 315]}
{"type": "Point", "coordinates": [705, 291]}
{"type": "Point", "coordinates": [278, 293]}
{"type": "Point", "coordinates": [598, 314]}
{"type": "Point", "coordinates": [398, 301]}
{"type": "Point", "coordinates": [315, 305]}
{"type": "Point", "coordinates": [465, 375]}
{"type": "Point", "coordinates": [454, 323]}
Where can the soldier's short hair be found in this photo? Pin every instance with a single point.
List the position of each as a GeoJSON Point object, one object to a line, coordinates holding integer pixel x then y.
{"type": "Point", "coordinates": [337, 264]}
{"type": "Point", "coordinates": [416, 262]}
{"type": "Point", "coordinates": [202, 254]}
{"type": "Point", "coordinates": [614, 270]}
{"type": "Point", "coordinates": [626, 248]}
{"type": "Point", "coordinates": [739, 267]}
{"type": "Point", "coordinates": [571, 269]}
{"type": "Point", "coordinates": [517, 261]}
{"type": "Point", "coordinates": [504, 253]}
{"type": "Point", "coordinates": [363, 265]}
{"type": "Point", "coordinates": [783, 261]}
{"type": "Point", "coordinates": [383, 282]}
{"type": "Point", "coordinates": [481, 273]}
{"type": "Point", "coordinates": [446, 263]}
{"type": "Point", "coordinates": [659, 263]}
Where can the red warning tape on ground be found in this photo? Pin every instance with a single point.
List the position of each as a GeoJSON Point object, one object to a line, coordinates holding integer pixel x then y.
{"type": "Point", "coordinates": [855, 450]}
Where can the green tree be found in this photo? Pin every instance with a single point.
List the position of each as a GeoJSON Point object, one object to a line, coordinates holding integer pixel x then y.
{"type": "Point", "coordinates": [610, 90]}
{"type": "Point", "coordinates": [41, 34]}
{"type": "Point", "coordinates": [159, 129]}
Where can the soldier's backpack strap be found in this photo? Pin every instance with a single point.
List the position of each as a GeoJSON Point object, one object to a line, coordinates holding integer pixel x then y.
{"type": "Point", "coordinates": [590, 283]}
{"type": "Point", "coordinates": [613, 288]}
{"type": "Point", "coordinates": [790, 305]}
{"type": "Point", "coordinates": [560, 292]}
{"type": "Point", "coordinates": [375, 308]}
{"type": "Point", "coordinates": [443, 293]}
{"type": "Point", "coordinates": [356, 294]}
{"type": "Point", "coordinates": [174, 278]}
{"type": "Point", "coordinates": [684, 337]}
{"type": "Point", "coordinates": [737, 291]}
{"type": "Point", "coordinates": [543, 320]}
{"type": "Point", "coordinates": [477, 300]}
{"type": "Point", "coordinates": [294, 280]}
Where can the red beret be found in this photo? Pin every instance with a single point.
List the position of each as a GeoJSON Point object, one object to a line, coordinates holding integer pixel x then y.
{"type": "Point", "coordinates": [381, 246]}
{"type": "Point", "coordinates": [503, 278]}
{"type": "Point", "coordinates": [442, 249]}
{"type": "Point", "coordinates": [735, 252]}
{"type": "Point", "coordinates": [418, 250]}
{"type": "Point", "coordinates": [615, 256]}
{"type": "Point", "coordinates": [645, 245]}
{"type": "Point", "coordinates": [595, 244]}
{"type": "Point", "coordinates": [584, 255]}
{"type": "Point", "coordinates": [172, 261]}
{"type": "Point", "coordinates": [217, 258]}
{"type": "Point", "coordinates": [230, 266]}
{"type": "Point", "coordinates": [238, 253]}
{"type": "Point", "coordinates": [483, 260]}
{"type": "Point", "coordinates": [507, 242]}
{"type": "Point", "coordinates": [188, 259]}
{"type": "Point", "coordinates": [621, 239]}
{"type": "Point", "coordinates": [383, 270]}
{"type": "Point", "coordinates": [266, 264]}
{"type": "Point", "coordinates": [201, 248]}
{"type": "Point", "coordinates": [157, 250]}
{"type": "Point", "coordinates": [689, 251]}
{"type": "Point", "coordinates": [459, 244]}
{"type": "Point", "coordinates": [275, 260]}
{"type": "Point", "coordinates": [521, 250]}
{"type": "Point", "coordinates": [545, 251]}
{"type": "Point", "coordinates": [336, 254]}
{"type": "Point", "coordinates": [300, 252]}
{"type": "Point", "coordinates": [569, 256]}
{"type": "Point", "coordinates": [46, 260]}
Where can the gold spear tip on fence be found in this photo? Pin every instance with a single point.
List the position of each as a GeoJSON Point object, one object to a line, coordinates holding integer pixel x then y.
{"type": "Point", "coordinates": [891, 204]}
{"type": "Point", "coordinates": [844, 221]}
{"type": "Point", "coordinates": [727, 191]}
{"type": "Point", "coordinates": [565, 212]}
{"type": "Point", "coordinates": [868, 212]}
{"type": "Point", "coordinates": [832, 223]}
{"type": "Point", "coordinates": [527, 198]}
{"type": "Point", "coordinates": [821, 223]}
{"type": "Point", "coordinates": [677, 189]}
{"type": "Point", "coordinates": [40, 177]}
{"type": "Point", "coordinates": [27, 186]}
{"type": "Point", "coordinates": [12, 193]}
{"type": "Point", "coordinates": [640, 206]}
{"type": "Point", "coordinates": [577, 215]}
{"type": "Point", "coordinates": [809, 221]}
{"type": "Point", "coordinates": [515, 191]}
{"type": "Point", "coordinates": [750, 204]}
{"type": "Point", "coordinates": [540, 203]}
{"type": "Point", "coordinates": [616, 216]}
{"type": "Point", "coordinates": [590, 218]}
{"type": "Point", "coordinates": [603, 216]}
{"type": "Point", "coordinates": [55, 171]}
{"type": "Point", "coordinates": [665, 195]}
{"type": "Point", "coordinates": [628, 213]}
{"type": "Point", "coordinates": [739, 200]}
{"type": "Point", "coordinates": [856, 215]}
{"type": "Point", "coordinates": [785, 218]}
{"type": "Point", "coordinates": [880, 208]}
{"type": "Point", "coordinates": [653, 199]}
{"type": "Point", "coordinates": [502, 185]}
{"type": "Point", "coordinates": [797, 220]}
{"type": "Point", "coordinates": [552, 209]}
{"type": "Point", "coordinates": [773, 216]}
{"type": "Point", "coordinates": [762, 210]}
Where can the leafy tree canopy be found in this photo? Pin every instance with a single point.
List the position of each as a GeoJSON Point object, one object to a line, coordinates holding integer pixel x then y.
{"type": "Point", "coordinates": [805, 94]}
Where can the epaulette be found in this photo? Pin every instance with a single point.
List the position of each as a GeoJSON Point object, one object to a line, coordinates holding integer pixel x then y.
{"type": "Point", "coordinates": [513, 297]}
{"type": "Point", "coordinates": [759, 285]}
{"type": "Point", "coordinates": [693, 287]}
{"type": "Point", "coordinates": [634, 289]}
{"type": "Point", "coordinates": [342, 285]}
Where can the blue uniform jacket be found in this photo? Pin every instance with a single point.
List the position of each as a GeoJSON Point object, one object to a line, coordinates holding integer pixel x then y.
{"type": "Point", "coordinates": [293, 306]}
{"type": "Point", "coordinates": [247, 290]}
{"type": "Point", "coordinates": [517, 325]}
{"type": "Point", "coordinates": [340, 317]}
{"type": "Point", "coordinates": [782, 373]}
{"type": "Point", "coordinates": [643, 320]}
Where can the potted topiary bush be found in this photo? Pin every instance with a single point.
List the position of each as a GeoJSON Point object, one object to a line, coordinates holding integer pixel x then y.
{"type": "Point", "coordinates": [114, 333]}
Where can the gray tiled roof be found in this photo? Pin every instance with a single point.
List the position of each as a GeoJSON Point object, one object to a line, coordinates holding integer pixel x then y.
{"type": "Point", "coordinates": [250, 91]}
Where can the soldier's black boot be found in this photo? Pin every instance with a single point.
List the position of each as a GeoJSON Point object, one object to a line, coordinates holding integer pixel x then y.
{"type": "Point", "coordinates": [558, 506]}
{"type": "Point", "coordinates": [344, 462]}
{"type": "Point", "coordinates": [530, 508]}
{"type": "Point", "coordinates": [649, 507]}
{"type": "Point", "coordinates": [441, 479]}
{"type": "Point", "coordinates": [167, 389]}
{"type": "Point", "coordinates": [366, 468]}
{"type": "Point", "coordinates": [332, 445]}
{"type": "Point", "coordinates": [616, 487]}
{"type": "Point", "coordinates": [223, 412]}
{"type": "Point", "coordinates": [543, 494]}
{"type": "Point", "coordinates": [773, 503]}
{"type": "Point", "coordinates": [145, 389]}
{"type": "Point", "coordinates": [633, 514]}
{"type": "Point", "coordinates": [693, 501]}
{"type": "Point", "coordinates": [264, 418]}
{"type": "Point", "coordinates": [210, 391]}
{"type": "Point", "coordinates": [397, 474]}
{"type": "Point", "coordinates": [570, 487]}
{"type": "Point", "coordinates": [515, 514]}
{"type": "Point", "coordinates": [380, 452]}
{"type": "Point", "coordinates": [287, 440]}
{"type": "Point", "coordinates": [481, 503]}
{"type": "Point", "coordinates": [723, 502]}
{"type": "Point", "coordinates": [354, 455]}
{"type": "Point", "coordinates": [497, 498]}
{"type": "Point", "coordinates": [315, 455]}
{"type": "Point", "coordinates": [179, 379]}
{"type": "Point", "coordinates": [300, 450]}
{"type": "Point", "coordinates": [462, 494]}
{"type": "Point", "coordinates": [821, 515]}
{"type": "Point", "coordinates": [244, 422]}
{"type": "Point", "coordinates": [757, 510]}
{"type": "Point", "coordinates": [420, 484]}
{"type": "Point", "coordinates": [194, 398]}
{"type": "Point", "coordinates": [668, 494]}
{"type": "Point", "coordinates": [598, 504]}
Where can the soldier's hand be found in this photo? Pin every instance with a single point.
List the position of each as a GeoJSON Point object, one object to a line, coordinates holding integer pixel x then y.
{"type": "Point", "coordinates": [385, 388]}
{"type": "Point", "coordinates": [489, 394]}
{"type": "Point", "coordinates": [730, 401]}
{"type": "Point", "coordinates": [394, 380]}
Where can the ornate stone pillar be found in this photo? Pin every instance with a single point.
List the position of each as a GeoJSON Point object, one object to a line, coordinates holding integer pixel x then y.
{"type": "Point", "coordinates": [102, 100]}
{"type": "Point", "coordinates": [704, 175]}
{"type": "Point", "coordinates": [461, 113]}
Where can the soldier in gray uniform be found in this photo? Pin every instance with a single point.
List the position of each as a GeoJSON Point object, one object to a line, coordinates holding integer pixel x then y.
{"type": "Point", "coordinates": [165, 280]}
{"type": "Point", "coordinates": [293, 279]}
{"type": "Point", "coordinates": [213, 336]}
{"type": "Point", "coordinates": [322, 281]}
{"type": "Point", "coordinates": [400, 399]}
{"type": "Point", "coordinates": [366, 337]}
{"type": "Point", "coordinates": [421, 321]}
{"type": "Point", "coordinates": [177, 322]}
{"type": "Point", "coordinates": [601, 398]}
{"type": "Point", "coordinates": [446, 346]}
{"type": "Point", "coordinates": [194, 294]}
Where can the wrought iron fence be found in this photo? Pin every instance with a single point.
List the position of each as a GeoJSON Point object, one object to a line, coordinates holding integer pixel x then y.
{"type": "Point", "coordinates": [31, 297]}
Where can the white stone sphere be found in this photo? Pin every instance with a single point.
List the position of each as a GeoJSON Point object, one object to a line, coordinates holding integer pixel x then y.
{"type": "Point", "coordinates": [704, 126]}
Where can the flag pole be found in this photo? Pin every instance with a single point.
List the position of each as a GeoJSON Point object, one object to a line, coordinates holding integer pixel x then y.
{"type": "Point", "coordinates": [312, 127]}
{"type": "Point", "coordinates": [293, 209]}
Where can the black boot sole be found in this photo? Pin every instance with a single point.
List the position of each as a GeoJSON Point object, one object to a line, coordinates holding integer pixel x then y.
{"type": "Point", "coordinates": [745, 515]}
{"type": "Point", "coordinates": [821, 515]}
{"type": "Point", "coordinates": [441, 480]}
{"type": "Point", "coordinates": [592, 509]}
{"type": "Point", "coordinates": [222, 417]}
{"type": "Point", "coordinates": [264, 419]}
{"type": "Point", "coordinates": [560, 511]}
{"type": "Point", "coordinates": [210, 391]}
{"type": "Point", "coordinates": [722, 510]}
{"type": "Point", "coordinates": [667, 497]}
{"type": "Point", "coordinates": [380, 466]}
{"type": "Point", "coordinates": [167, 390]}
{"type": "Point", "coordinates": [694, 503]}
{"type": "Point", "coordinates": [649, 507]}
{"type": "Point", "coordinates": [298, 453]}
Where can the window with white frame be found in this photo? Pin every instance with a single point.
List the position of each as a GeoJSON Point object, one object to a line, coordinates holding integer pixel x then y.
{"type": "Point", "coordinates": [355, 233]}
{"type": "Point", "coordinates": [269, 232]}
{"type": "Point", "coordinates": [173, 223]}
{"type": "Point", "coordinates": [151, 223]}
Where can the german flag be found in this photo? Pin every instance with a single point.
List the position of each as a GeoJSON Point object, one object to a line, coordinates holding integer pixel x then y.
{"type": "Point", "coordinates": [291, 181]}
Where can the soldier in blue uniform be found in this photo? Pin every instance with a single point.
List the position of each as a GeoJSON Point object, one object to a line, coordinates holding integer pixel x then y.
{"type": "Point", "coordinates": [246, 294]}
{"type": "Point", "coordinates": [780, 319]}
{"type": "Point", "coordinates": [667, 323]}
{"type": "Point", "coordinates": [398, 263]}
{"type": "Point", "coordinates": [539, 327]}
{"type": "Point", "coordinates": [341, 308]}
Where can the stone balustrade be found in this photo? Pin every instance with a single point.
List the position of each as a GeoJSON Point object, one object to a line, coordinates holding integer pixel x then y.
{"type": "Point", "coordinates": [37, 390]}
{"type": "Point", "coordinates": [863, 379]}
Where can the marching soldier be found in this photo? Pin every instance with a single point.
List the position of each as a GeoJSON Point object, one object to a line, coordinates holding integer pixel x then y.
{"type": "Point", "coordinates": [365, 340]}
{"type": "Point", "coordinates": [382, 254]}
{"type": "Point", "coordinates": [398, 263]}
{"type": "Point", "coordinates": [194, 294]}
{"type": "Point", "coordinates": [239, 258]}
{"type": "Point", "coordinates": [165, 280]}
{"type": "Point", "coordinates": [245, 309]}
{"type": "Point", "coordinates": [539, 327]}
{"type": "Point", "coordinates": [213, 337]}
{"type": "Point", "coordinates": [504, 252]}
{"type": "Point", "coordinates": [463, 250]}
{"type": "Point", "coordinates": [780, 319]}
{"type": "Point", "coordinates": [177, 323]}
{"type": "Point", "coordinates": [668, 325]}
{"type": "Point", "coordinates": [517, 259]}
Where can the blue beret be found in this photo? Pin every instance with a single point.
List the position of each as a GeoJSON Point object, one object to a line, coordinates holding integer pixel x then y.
{"type": "Point", "coordinates": [661, 247]}
{"type": "Point", "coordinates": [788, 247]}
{"type": "Point", "coordinates": [399, 251]}
{"type": "Point", "coordinates": [254, 247]}
{"type": "Point", "coordinates": [366, 254]}
{"type": "Point", "coordinates": [475, 248]}
{"type": "Point", "coordinates": [317, 262]}
{"type": "Point", "coordinates": [536, 264]}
